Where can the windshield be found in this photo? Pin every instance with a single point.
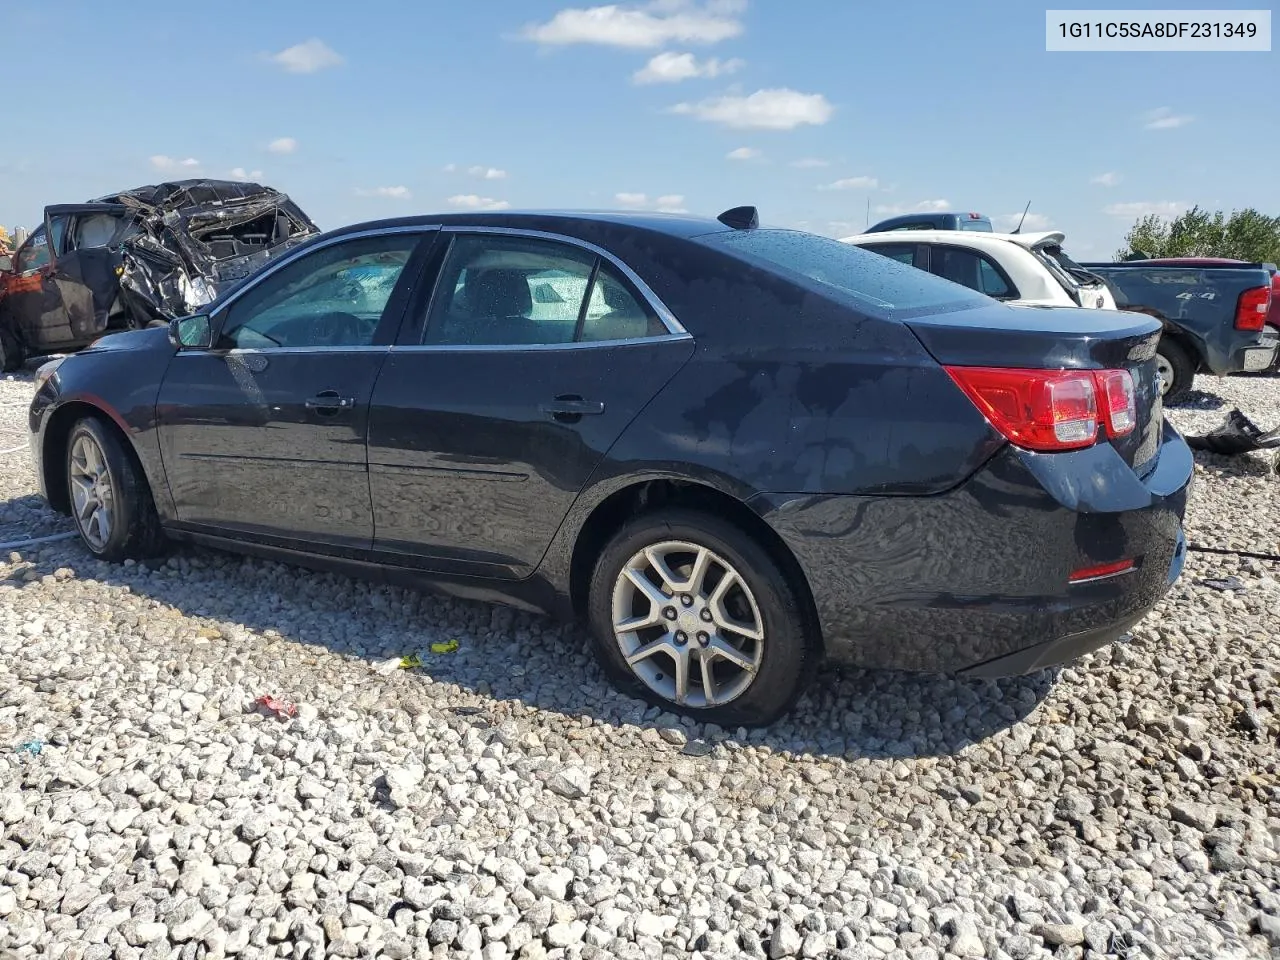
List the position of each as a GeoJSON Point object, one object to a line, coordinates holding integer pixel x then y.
{"type": "Point", "coordinates": [879, 285]}
{"type": "Point", "coordinates": [983, 226]}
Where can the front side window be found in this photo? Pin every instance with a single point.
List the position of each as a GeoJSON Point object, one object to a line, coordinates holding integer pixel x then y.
{"type": "Point", "coordinates": [333, 297]}
{"type": "Point", "coordinates": [515, 291]}
{"type": "Point", "coordinates": [876, 284]}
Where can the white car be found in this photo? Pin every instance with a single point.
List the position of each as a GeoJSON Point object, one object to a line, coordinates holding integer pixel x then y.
{"type": "Point", "coordinates": [1028, 269]}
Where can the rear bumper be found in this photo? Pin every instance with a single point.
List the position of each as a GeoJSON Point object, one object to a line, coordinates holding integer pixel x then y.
{"type": "Point", "coordinates": [1252, 356]}
{"type": "Point", "coordinates": [977, 580]}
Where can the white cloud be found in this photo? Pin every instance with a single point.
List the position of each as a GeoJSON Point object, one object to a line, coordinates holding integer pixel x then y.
{"type": "Point", "coordinates": [779, 109]}
{"type": "Point", "coordinates": [809, 163]}
{"type": "Point", "coordinates": [667, 203]}
{"type": "Point", "coordinates": [1033, 222]}
{"type": "Point", "coordinates": [471, 201]}
{"type": "Point", "coordinates": [640, 26]}
{"type": "Point", "coordinates": [171, 165]}
{"type": "Point", "coordinates": [1142, 208]}
{"type": "Point", "coordinates": [389, 193]}
{"type": "Point", "coordinates": [487, 173]}
{"type": "Point", "coordinates": [1163, 118]}
{"type": "Point", "coordinates": [450, 167]}
{"type": "Point", "coordinates": [1108, 179]}
{"type": "Point", "coordinates": [852, 183]}
{"type": "Point", "coordinates": [283, 145]}
{"type": "Point", "coordinates": [240, 173]}
{"type": "Point", "coordinates": [673, 67]}
{"type": "Point", "coordinates": [743, 153]}
{"type": "Point", "coordinates": [309, 56]}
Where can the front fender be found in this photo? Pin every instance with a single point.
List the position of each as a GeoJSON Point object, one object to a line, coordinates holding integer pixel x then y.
{"type": "Point", "coordinates": [121, 385]}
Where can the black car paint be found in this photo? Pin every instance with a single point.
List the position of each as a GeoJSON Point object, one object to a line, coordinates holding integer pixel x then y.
{"type": "Point", "coordinates": [926, 540]}
{"type": "Point", "coordinates": [1196, 304]}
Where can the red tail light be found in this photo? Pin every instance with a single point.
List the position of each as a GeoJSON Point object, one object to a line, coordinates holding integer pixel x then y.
{"type": "Point", "coordinates": [1051, 410]}
{"type": "Point", "coordinates": [1252, 307]}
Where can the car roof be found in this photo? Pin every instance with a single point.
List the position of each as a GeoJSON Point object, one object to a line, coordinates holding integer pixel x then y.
{"type": "Point", "coordinates": [569, 222]}
{"type": "Point", "coordinates": [961, 238]}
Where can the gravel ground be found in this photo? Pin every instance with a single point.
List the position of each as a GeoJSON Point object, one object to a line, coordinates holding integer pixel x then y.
{"type": "Point", "coordinates": [501, 801]}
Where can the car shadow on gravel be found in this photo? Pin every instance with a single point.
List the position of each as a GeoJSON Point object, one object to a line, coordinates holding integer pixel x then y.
{"type": "Point", "coordinates": [507, 655]}
{"type": "Point", "coordinates": [1196, 400]}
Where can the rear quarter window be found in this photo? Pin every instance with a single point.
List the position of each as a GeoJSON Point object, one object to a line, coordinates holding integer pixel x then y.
{"type": "Point", "coordinates": [875, 284]}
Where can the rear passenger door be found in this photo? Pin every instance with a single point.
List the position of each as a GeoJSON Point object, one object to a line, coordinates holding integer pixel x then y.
{"type": "Point", "coordinates": [503, 394]}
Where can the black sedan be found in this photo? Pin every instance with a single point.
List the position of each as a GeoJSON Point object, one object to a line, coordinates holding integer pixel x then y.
{"type": "Point", "coordinates": [736, 452]}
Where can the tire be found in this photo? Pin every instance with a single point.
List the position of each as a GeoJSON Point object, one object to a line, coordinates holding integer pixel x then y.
{"type": "Point", "coordinates": [133, 529]}
{"type": "Point", "coordinates": [780, 662]}
{"type": "Point", "coordinates": [1180, 366]}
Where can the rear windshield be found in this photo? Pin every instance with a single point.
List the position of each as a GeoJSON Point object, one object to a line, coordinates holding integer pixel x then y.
{"type": "Point", "coordinates": [982, 225]}
{"type": "Point", "coordinates": [877, 285]}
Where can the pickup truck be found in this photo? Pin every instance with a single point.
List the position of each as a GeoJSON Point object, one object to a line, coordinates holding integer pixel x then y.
{"type": "Point", "coordinates": [1214, 314]}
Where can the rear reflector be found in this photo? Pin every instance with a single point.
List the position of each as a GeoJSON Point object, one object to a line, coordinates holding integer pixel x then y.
{"type": "Point", "coordinates": [1252, 308]}
{"type": "Point", "coordinates": [1051, 410]}
{"type": "Point", "coordinates": [1102, 571]}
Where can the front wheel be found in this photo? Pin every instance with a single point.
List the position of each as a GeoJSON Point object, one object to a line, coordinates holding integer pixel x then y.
{"type": "Point", "coordinates": [694, 615]}
{"type": "Point", "coordinates": [111, 501]}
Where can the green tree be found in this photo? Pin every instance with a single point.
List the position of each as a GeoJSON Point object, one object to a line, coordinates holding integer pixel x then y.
{"type": "Point", "coordinates": [1243, 235]}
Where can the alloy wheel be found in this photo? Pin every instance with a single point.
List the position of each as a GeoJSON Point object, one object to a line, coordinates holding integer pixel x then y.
{"type": "Point", "coordinates": [92, 493]}
{"type": "Point", "coordinates": [687, 624]}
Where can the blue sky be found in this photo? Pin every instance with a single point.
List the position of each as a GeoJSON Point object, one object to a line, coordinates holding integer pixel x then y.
{"type": "Point", "coordinates": [807, 110]}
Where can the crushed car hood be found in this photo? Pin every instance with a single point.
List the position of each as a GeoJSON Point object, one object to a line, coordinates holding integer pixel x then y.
{"type": "Point", "coordinates": [193, 238]}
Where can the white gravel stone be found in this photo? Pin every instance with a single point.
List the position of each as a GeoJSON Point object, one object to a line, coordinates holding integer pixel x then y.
{"type": "Point", "coordinates": [505, 798]}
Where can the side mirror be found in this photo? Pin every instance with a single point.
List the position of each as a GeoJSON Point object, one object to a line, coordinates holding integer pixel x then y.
{"type": "Point", "coordinates": [6, 264]}
{"type": "Point", "coordinates": [191, 333]}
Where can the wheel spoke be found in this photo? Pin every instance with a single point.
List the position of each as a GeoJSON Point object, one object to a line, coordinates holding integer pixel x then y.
{"type": "Point", "coordinates": [651, 619]}
{"type": "Point", "coordinates": [103, 517]}
{"type": "Point", "coordinates": [681, 658]}
{"type": "Point", "coordinates": [698, 573]}
{"type": "Point", "coordinates": [659, 564]}
{"type": "Point", "coordinates": [724, 650]}
{"type": "Point", "coordinates": [721, 616]}
{"type": "Point", "coordinates": [655, 596]}
{"type": "Point", "coordinates": [661, 645]}
{"type": "Point", "coordinates": [709, 689]}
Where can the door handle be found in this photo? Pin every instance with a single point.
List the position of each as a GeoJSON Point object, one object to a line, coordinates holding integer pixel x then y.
{"type": "Point", "coordinates": [571, 408]}
{"type": "Point", "coordinates": [328, 402]}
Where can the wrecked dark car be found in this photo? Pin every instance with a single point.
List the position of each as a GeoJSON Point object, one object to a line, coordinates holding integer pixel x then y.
{"type": "Point", "coordinates": [138, 258]}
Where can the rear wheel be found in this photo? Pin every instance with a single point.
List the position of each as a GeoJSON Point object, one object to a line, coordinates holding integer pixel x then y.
{"type": "Point", "coordinates": [111, 501]}
{"type": "Point", "coordinates": [693, 615]}
{"type": "Point", "coordinates": [1174, 366]}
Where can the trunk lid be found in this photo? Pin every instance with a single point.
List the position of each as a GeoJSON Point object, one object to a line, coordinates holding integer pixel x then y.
{"type": "Point", "coordinates": [1058, 338]}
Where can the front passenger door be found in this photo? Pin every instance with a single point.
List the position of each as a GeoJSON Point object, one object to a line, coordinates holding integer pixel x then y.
{"type": "Point", "coordinates": [263, 436]}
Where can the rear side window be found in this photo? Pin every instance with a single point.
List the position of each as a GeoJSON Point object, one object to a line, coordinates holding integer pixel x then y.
{"type": "Point", "coordinates": [499, 290]}
{"type": "Point", "coordinates": [902, 252]}
{"type": "Point", "coordinates": [970, 269]}
{"type": "Point", "coordinates": [880, 286]}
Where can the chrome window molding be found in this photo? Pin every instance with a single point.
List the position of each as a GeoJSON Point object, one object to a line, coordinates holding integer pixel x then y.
{"type": "Point", "coordinates": [676, 330]}
{"type": "Point", "coordinates": [655, 303]}
{"type": "Point", "coordinates": [443, 347]}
